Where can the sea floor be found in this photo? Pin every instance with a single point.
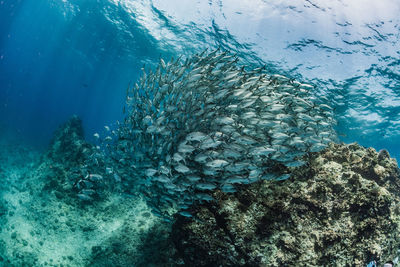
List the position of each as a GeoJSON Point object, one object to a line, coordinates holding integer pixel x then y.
{"type": "Point", "coordinates": [44, 223]}
{"type": "Point", "coordinates": [39, 229]}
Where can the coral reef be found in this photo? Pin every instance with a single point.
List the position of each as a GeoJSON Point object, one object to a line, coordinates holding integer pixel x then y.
{"type": "Point", "coordinates": [146, 248]}
{"type": "Point", "coordinates": [341, 209]}
{"type": "Point", "coordinates": [68, 163]}
{"type": "Point", "coordinates": [44, 223]}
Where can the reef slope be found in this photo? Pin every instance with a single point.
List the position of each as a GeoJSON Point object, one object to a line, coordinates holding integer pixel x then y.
{"type": "Point", "coordinates": [340, 210]}
{"type": "Point", "coordinates": [45, 223]}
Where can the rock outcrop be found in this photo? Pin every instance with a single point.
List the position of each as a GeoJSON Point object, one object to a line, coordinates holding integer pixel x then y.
{"type": "Point", "coordinates": [44, 222]}
{"type": "Point", "coordinates": [68, 160]}
{"type": "Point", "coordinates": [342, 209]}
{"type": "Point", "coordinates": [68, 143]}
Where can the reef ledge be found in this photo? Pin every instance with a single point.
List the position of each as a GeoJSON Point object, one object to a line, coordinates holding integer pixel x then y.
{"type": "Point", "coordinates": [341, 209]}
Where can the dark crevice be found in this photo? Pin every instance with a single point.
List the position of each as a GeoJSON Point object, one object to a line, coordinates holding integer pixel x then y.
{"type": "Point", "coordinates": [222, 223]}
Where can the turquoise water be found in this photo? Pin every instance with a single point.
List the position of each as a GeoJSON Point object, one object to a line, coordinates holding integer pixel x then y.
{"type": "Point", "coordinates": [59, 58]}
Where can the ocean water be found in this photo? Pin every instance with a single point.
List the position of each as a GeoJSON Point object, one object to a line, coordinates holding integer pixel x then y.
{"type": "Point", "coordinates": [59, 58]}
{"type": "Point", "coordinates": [64, 57]}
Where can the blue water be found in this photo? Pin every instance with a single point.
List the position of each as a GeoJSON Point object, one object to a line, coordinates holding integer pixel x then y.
{"type": "Point", "coordinates": [59, 58]}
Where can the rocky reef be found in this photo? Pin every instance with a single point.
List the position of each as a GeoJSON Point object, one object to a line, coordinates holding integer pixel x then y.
{"type": "Point", "coordinates": [341, 209]}
{"type": "Point", "coordinates": [68, 160]}
{"type": "Point", "coordinates": [44, 222]}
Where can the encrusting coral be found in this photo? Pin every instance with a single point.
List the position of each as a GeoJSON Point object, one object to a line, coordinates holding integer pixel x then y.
{"type": "Point", "coordinates": [341, 209]}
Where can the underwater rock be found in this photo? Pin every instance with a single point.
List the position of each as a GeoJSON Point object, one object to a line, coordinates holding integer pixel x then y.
{"type": "Point", "coordinates": [72, 167]}
{"type": "Point", "coordinates": [341, 209]}
{"type": "Point", "coordinates": [68, 141]}
{"type": "Point", "coordinates": [127, 247]}
{"type": "Point", "coordinates": [44, 222]}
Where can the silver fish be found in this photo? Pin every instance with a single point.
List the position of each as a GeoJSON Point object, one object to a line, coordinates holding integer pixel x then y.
{"type": "Point", "coordinates": [195, 136]}
{"type": "Point", "coordinates": [84, 197]}
{"type": "Point", "coordinates": [209, 120]}
{"type": "Point", "coordinates": [182, 168]}
{"type": "Point", "coordinates": [205, 186]}
{"type": "Point", "coordinates": [217, 163]}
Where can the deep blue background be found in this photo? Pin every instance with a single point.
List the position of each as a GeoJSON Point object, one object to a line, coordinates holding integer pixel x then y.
{"type": "Point", "coordinates": [54, 64]}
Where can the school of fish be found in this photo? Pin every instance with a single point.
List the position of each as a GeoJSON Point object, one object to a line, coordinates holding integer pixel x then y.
{"type": "Point", "coordinates": [209, 123]}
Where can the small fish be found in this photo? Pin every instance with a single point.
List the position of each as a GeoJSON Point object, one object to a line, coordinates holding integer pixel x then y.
{"type": "Point", "coordinates": [87, 184]}
{"type": "Point", "coordinates": [280, 136]}
{"type": "Point", "coordinates": [317, 147]}
{"type": "Point", "coordinates": [170, 186]}
{"type": "Point", "coordinates": [254, 174]}
{"type": "Point", "coordinates": [210, 172]}
{"type": "Point", "coordinates": [204, 197]}
{"type": "Point", "coordinates": [231, 154]}
{"type": "Point", "coordinates": [295, 164]}
{"type": "Point", "coordinates": [245, 140]}
{"type": "Point", "coordinates": [195, 136]}
{"type": "Point", "coordinates": [117, 178]}
{"type": "Point", "coordinates": [283, 177]}
{"type": "Point", "coordinates": [326, 107]}
{"type": "Point", "coordinates": [185, 214]}
{"type": "Point", "coordinates": [193, 178]}
{"type": "Point", "coordinates": [165, 170]}
{"type": "Point", "coordinates": [88, 192]}
{"type": "Point", "coordinates": [228, 188]}
{"type": "Point", "coordinates": [280, 77]}
{"type": "Point", "coordinates": [306, 86]}
{"type": "Point", "coordinates": [239, 92]}
{"type": "Point", "coordinates": [182, 168]}
{"type": "Point", "coordinates": [178, 157]}
{"type": "Point", "coordinates": [162, 62]}
{"type": "Point", "coordinates": [217, 163]}
{"type": "Point", "coordinates": [164, 88]}
{"type": "Point", "coordinates": [162, 179]}
{"type": "Point", "coordinates": [221, 94]}
{"type": "Point", "coordinates": [261, 151]}
{"type": "Point", "coordinates": [224, 120]}
{"type": "Point", "coordinates": [152, 129]}
{"type": "Point", "coordinates": [184, 148]}
{"type": "Point", "coordinates": [306, 117]}
{"type": "Point", "coordinates": [205, 186]}
{"type": "Point", "coordinates": [95, 177]}
{"type": "Point", "coordinates": [228, 129]}
{"type": "Point", "coordinates": [84, 197]}
{"type": "Point", "coordinates": [150, 172]}
{"type": "Point", "coordinates": [266, 99]}
{"type": "Point", "coordinates": [268, 177]}
{"type": "Point", "coordinates": [209, 143]}
{"type": "Point", "coordinates": [248, 115]}
{"type": "Point", "coordinates": [235, 180]}
{"type": "Point", "coordinates": [195, 78]}
{"type": "Point", "coordinates": [157, 213]}
{"type": "Point", "coordinates": [276, 107]}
